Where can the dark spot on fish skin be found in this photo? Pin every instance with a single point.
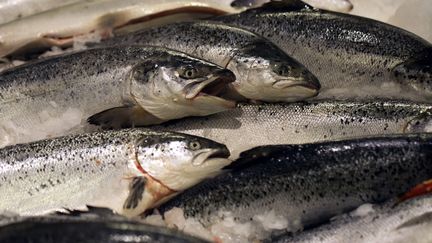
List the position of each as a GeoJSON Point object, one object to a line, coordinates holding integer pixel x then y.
{"type": "Point", "coordinates": [136, 190]}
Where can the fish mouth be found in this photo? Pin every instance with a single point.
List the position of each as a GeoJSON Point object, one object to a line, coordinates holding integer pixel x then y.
{"type": "Point", "coordinates": [219, 153]}
{"type": "Point", "coordinates": [207, 154]}
{"type": "Point", "coordinates": [212, 88]}
{"type": "Point", "coordinates": [302, 87]}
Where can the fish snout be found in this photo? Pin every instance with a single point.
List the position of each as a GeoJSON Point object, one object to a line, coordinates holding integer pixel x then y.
{"type": "Point", "coordinates": [305, 85]}
{"type": "Point", "coordinates": [310, 81]}
{"type": "Point", "coordinates": [222, 152]}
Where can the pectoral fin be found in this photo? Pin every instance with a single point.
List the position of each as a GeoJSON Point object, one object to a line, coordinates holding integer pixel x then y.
{"type": "Point", "coordinates": [144, 194]}
{"type": "Point", "coordinates": [136, 191]}
{"type": "Point", "coordinates": [123, 117]}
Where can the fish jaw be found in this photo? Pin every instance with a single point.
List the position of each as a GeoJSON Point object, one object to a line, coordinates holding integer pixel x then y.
{"type": "Point", "coordinates": [207, 92]}
{"type": "Point", "coordinates": [291, 90]}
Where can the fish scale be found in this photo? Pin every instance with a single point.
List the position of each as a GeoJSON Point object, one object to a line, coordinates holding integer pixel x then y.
{"type": "Point", "coordinates": [251, 125]}
{"type": "Point", "coordinates": [387, 222]}
{"type": "Point", "coordinates": [310, 183]}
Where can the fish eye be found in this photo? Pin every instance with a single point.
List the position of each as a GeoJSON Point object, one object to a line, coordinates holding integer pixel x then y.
{"type": "Point", "coordinates": [188, 72]}
{"type": "Point", "coordinates": [195, 145]}
{"type": "Point", "coordinates": [281, 69]}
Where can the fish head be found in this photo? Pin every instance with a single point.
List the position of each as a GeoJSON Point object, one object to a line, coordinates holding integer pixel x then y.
{"type": "Point", "coordinates": [180, 161]}
{"type": "Point", "coordinates": [168, 163]}
{"type": "Point", "coordinates": [176, 85]}
{"type": "Point", "coordinates": [266, 73]}
{"type": "Point", "coordinates": [416, 73]}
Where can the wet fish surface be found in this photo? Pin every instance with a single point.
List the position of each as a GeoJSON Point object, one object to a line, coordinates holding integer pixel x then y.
{"type": "Point", "coordinates": [127, 171]}
{"type": "Point", "coordinates": [250, 125]}
{"type": "Point", "coordinates": [308, 184]}
{"type": "Point", "coordinates": [263, 71]}
{"type": "Point", "coordinates": [113, 87]}
{"type": "Point", "coordinates": [352, 57]}
{"type": "Point", "coordinates": [57, 27]}
{"type": "Point", "coordinates": [63, 229]}
{"type": "Point", "coordinates": [388, 222]}
{"type": "Point", "coordinates": [16, 9]}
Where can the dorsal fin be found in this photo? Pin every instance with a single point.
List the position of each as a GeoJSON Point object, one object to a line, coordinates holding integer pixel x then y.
{"type": "Point", "coordinates": [285, 6]}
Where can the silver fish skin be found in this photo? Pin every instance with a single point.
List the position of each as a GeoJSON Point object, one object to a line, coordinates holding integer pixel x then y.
{"type": "Point", "coordinates": [15, 9]}
{"type": "Point", "coordinates": [298, 123]}
{"type": "Point", "coordinates": [263, 71]}
{"type": "Point", "coordinates": [58, 26]}
{"type": "Point", "coordinates": [112, 87]}
{"type": "Point", "coordinates": [388, 222]}
{"type": "Point", "coordinates": [310, 183]}
{"type": "Point", "coordinates": [352, 57]}
{"type": "Point", "coordinates": [128, 171]}
{"type": "Point", "coordinates": [68, 229]}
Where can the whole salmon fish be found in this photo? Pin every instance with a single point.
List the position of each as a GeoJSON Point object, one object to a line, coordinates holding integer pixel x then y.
{"type": "Point", "coordinates": [128, 171]}
{"type": "Point", "coordinates": [120, 86]}
{"type": "Point", "coordinates": [250, 125]}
